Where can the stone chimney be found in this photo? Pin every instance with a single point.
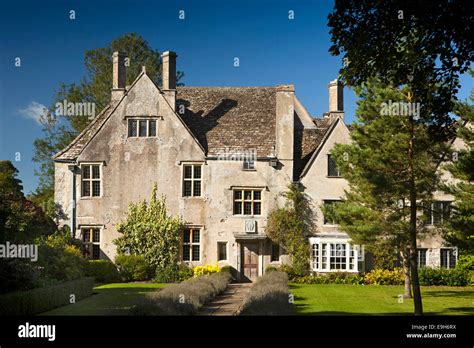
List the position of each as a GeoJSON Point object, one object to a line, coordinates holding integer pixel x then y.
{"type": "Point", "coordinates": [169, 70]}
{"type": "Point", "coordinates": [118, 75]}
{"type": "Point", "coordinates": [336, 99]}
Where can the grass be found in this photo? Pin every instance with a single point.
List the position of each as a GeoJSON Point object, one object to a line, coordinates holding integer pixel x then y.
{"type": "Point", "coordinates": [338, 299]}
{"type": "Point", "coordinates": [108, 299]}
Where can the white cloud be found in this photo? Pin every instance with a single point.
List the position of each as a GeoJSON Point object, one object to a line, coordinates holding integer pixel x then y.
{"type": "Point", "coordinates": [33, 111]}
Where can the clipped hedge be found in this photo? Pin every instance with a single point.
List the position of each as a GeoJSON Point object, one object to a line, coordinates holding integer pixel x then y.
{"type": "Point", "coordinates": [173, 273]}
{"type": "Point", "coordinates": [269, 295]}
{"type": "Point", "coordinates": [133, 268]}
{"type": "Point", "coordinates": [385, 277]}
{"type": "Point", "coordinates": [44, 299]}
{"type": "Point", "coordinates": [443, 276]}
{"type": "Point", "coordinates": [331, 278]}
{"type": "Point", "coordinates": [103, 271]}
{"type": "Point", "coordinates": [185, 298]}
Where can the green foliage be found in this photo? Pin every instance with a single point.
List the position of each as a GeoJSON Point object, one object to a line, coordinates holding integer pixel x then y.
{"type": "Point", "coordinates": [459, 229]}
{"type": "Point", "coordinates": [385, 277]}
{"type": "Point", "coordinates": [103, 271]}
{"type": "Point", "coordinates": [59, 259]}
{"type": "Point", "coordinates": [429, 59]}
{"type": "Point", "coordinates": [466, 262]}
{"type": "Point", "coordinates": [269, 295]}
{"type": "Point", "coordinates": [185, 298]}
{"type": "Point", "coordinates": [21, 220]}
{"type": "Point", "coordinates": [149, 231]}
{"type": "Point", "coordinates": [227, 269]}
{"type": "Point", "coordinates": [17, 274]}
{"type": "Point", "coordinates": [270, 268]}
{"type": "Point", "coordinates": [173, 273]}
{"type": "Point", "coordinates": [331, 278]}
{"type": "Point", "coordinates": [133, 268]}
{"type": "Point", "coordinates": [44, 299]}
{"type": "Point", "coordinates": [443, 276]}
{"type": "Point", "coordinates": [291, 225]}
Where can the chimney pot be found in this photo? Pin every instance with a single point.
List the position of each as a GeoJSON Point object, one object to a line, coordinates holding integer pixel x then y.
{"type": "Point", "coordinates": [336, 99]}
{"type": "Point", "coordinates": [169, 70]}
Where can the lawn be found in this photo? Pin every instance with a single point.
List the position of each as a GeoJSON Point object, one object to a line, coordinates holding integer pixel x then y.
{"type": "Point", "coordinates": [109, 299]}
{"type": "Point", "coordinates": [336, 299]}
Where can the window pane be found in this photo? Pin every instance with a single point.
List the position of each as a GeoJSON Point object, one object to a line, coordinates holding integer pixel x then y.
{"type": "Point", "coordinates": [222, 251]}
{"type": "Point", "coordinates": [188, 172]}
{"type": "Point", "coordinates": [248, 208]}
{"type": "Point", "coordinates": [86, 172]}
{"type": "Point", "coordinates": [86, 235]}
{"type": "Point", "coordinates": [96, 235]}
{"type": "Point", "coordinates": [186, 236]}
{"type": "Point", "coordinates": [197, 172]}
{"type": "Point", "coordinates": [96, 188]}
{"type": "Point", "coordinates": [86, 251]}
{"type": "Point", "coordinates": [86, 188]}
{"type": "Point", "coordinates": [95, 252]}
{"type": "Point", "coordinates": [196, 236]}
{"type": "Point", "coordinates": [437, 206]}
{"type": "Point", "coordinates": [257, 208]}
{"type": "Point", "coordinates": [332, 167]}
{"type": "Point", "coordinates": [237, 194]}
{"type": "Point", "coordinates": [248, 195]}
{"type": "Point", "coordinates": [132, 128]}
{"type": "Point", "coordinates": [238, 208]}
{"type": "Point", "coordinates": [195, 252]}
{"type": "Point", "coordinates": [197, 188]}
{"type": "Point", "coordinates": [187, 188]}
{"type": "Point", "coordinates": [186, 253]}
{"type": "Point", "coordinates": [95, 172]}
{"type": "Point", "coordinates": [275, 256]}
{"type": "Point", "coordinates": [142, 130]}
{"type": "Point", "coordinates": [152, 128]}
{"type": "Point", "coordinates": [257, 195]}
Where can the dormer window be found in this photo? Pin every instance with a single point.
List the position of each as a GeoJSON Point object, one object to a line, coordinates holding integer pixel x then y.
{"type": "Point", "coordinates": [249, 164]}
{"type": "Point", "coordinates": [141, 128]}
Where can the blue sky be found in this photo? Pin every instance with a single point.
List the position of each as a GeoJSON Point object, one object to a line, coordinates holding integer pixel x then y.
{"type": "Point", "coordinates": [272, 50]}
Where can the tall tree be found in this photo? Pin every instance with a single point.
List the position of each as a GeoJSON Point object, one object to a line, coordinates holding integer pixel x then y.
{"type": "Point", "coordinates": [417, 43]}
{"type": "Point", "coordinates": [459, 229]}
{"type": "Point", "coordinates": [391, 167]}
{"type": "Point", "coordinates": [94, 87]}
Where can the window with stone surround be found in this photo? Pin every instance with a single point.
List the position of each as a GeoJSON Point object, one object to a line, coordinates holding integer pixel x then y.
{"type": "Point", "coordinates": [91, 177]}
{"type": "Point", "coordinates": [333, 171]}
{"type": "Point", "coordinates": [191, 244]}
{"type": "Point", "coordinates": [91, 242]}
{"type": "Point", "coordinates": [192, 179]}
{"type": "Point", "coordinates": [247, 202]}
{"type": "Point", "coordinates": [141, 127]}
{"type": "Point", "coordinates": [421, 257]}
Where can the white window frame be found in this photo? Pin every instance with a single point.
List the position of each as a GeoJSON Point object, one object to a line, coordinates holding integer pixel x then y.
{"type": "Point", "coordinates": [192, 179]}
{"type": "Point", "coordinates": [324, 255]}
{"type": "Point", "coordinates": [90, 180]}
{"type": "Point", "coordinates": [138, 119]}
{"type": "Point", "coordinates": [450, 251]}
{"type": "Point", "coordinates": [418, 256]}
{"type": "Point", "coordinates": [432, 212]}
{"type": "Point", "coordinates": [249, 164]}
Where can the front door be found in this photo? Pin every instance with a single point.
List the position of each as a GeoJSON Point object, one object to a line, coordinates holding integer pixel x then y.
{"type": "Point", "coordinates": [250, 261]}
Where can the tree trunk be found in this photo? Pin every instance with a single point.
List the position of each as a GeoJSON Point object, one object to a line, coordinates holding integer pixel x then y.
{"type": "Point", "coordinates": [406, 273]}
{"type": "Point", "coordinates": [413, 219]}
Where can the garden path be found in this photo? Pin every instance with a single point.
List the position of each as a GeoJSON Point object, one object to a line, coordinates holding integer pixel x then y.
{"type": "Point", "coordinates": [229, 302]}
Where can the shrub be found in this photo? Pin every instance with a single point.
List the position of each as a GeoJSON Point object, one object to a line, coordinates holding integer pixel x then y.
{"type": "Point", "coordinates": [443, 276]}
{"type": "Point", "coordinates": [173, 273]}
{"type": "Point", "coordinates": [331, 278]}
{"type": "Point", "coordinates": [16, 274]}
{"type": "Point", "coordinates": [227, 269]}
{"type": "Point", "coordinates": [290, 271]}
{"type": "Point", "coordinates": [44, 299]}
{"type": "Point", "coordinates": [270, 269]}
{"type": "Point", "coordinates": [59, 259]}
{"type": "Point", "coordinates": [466, 262]}
{"type": "Point", "coordinates": [205, 270]}
{"type": "Point", "coordinates": [103, 271]}
{"type": "Point", "coordinates": [133, 268]}
{"type": "Point", "coordinates": [185, 298]}
{"type": "Point", "coordinates": [268, 296]}
{"type": "Point", "coordinates": [385, 277]}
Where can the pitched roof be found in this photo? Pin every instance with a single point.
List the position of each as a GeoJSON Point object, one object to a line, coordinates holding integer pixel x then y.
{"type": "Point", "coordinates": [231, 119]}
